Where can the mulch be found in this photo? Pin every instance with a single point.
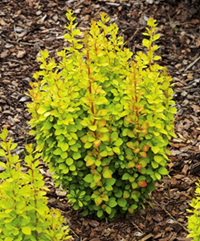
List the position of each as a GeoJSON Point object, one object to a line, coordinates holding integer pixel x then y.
{"type": "Point", "coordinates": [26, 26]}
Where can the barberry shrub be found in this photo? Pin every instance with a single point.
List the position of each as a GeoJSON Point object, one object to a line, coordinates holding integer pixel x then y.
{"type": "Point", "coordinates": [194, 219]}
{"type": "Point", "coordinates": [24, 214]}
{"type": "Point", "coordinates": [102, 120]}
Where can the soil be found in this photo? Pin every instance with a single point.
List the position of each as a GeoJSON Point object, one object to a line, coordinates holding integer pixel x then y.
{"type": "Point", "coordinates": [26, 26]}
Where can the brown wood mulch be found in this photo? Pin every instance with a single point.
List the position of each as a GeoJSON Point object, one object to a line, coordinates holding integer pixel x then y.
{"type": "Point", "coordinates": [26, 26]}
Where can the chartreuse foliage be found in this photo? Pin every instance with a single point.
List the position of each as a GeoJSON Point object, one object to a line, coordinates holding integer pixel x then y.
{"type": "Point", "coordinates": [103, 121]}
{"type": "Point", "coordinates": [24, 214]}
{"type": "Point", "coordinates": [194, 220]}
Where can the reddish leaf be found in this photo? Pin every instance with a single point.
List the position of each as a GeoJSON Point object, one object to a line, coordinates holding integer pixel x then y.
{"type": "Point", "coordinates": [90, 161]}
{"type": "Point", "coordinates": [131, 164]}
{"type": "Point", "coordinates": [145, 147]}
{"type": "Point", "coordinates": [131, 210]}
{"type": "Point", "coordinates": [102, 112]}
{"type": "Point", "coordinates": [145, 125]}
{"type": "Point", "coordinates": [98, 201]}
{"type": "Point", "coordinates": [143, 154]}
{"type": "Point", "coordinates": [99, 183]}
{"type": "Point", "coordinates": [96, 193]}
{"type": "Point", "coordinates": [84, 138]}
{"type": "Point", "coordinates": [142, 183]}
{"type": "Point", "coordinates": [144, 131]}
{"type": "Point", "coordinates": [104, 206]}
{"type": "Point", "coordinates": [97, 143]}
{"type": "Point", "coordinates": [136, 150]}
{"type": "Point", "coordinates": [138, 166]}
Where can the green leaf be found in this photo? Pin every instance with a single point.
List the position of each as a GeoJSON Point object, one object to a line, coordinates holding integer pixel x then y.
{"type": "Point", "coordinates": [64, 146]}
{"type": "Point", "coordinates": [80, 204]}
{"type": "Point", "coordinates": [74, 148]}
{"type": "Point", "coordinates": [76, 155]}
{"type": "Point", "coordinates": [13, 146]}
{"type": "Point", "coordinates": [2, 153]}
{"type": "Point", "coordinates": [146, 43]}
{"type": "Point", "coordinates": [42, 110]}
{"type": "Point", "coordinates": [116, 149]}
{"type": "Point", "coordinates": [4, 134]}
{"type": "Point", "coordinates": [163, 171]}
{"type": "Point", "coordinates": [26, 230]}
{"type": "Point", "coordinates": [57, 152]}
{"type": "Point", "coordinates": [103, 130]}
{"type": "Point", "coordinates": [85, 122]}
{"type": "Point", "coordinates": [101, 100]}
{"type": "Point", "coordinates": [155, 149]}
{"type": "Point", "coordinates": [108, 188]}
{"type": "Point", "coordinates": [3, 165]}
{"type": "Point", "coordinates": [134, 185]}
{"type": "Point", "coordinates": [87, 198]}
{"type": "Point", "coordinates": [110, 181]}
{"type": "Point", "coordinates": [154, 165]}
{"type": "Point", "coordinates": [32, 132]}
{"type": "Point", "coordinates": [72, 142]}
{"type": "Point", "coordinates": [104, 153]}
{"type": "Point", "coordinates": [107, 174]}
{"type": "Point", "coordinates": [155, 37]}
{"type": "Point", "coordinates": [119, 142]}
{"type": "Point", "coordinates": [66, 170]}
{"type": "Point", "coordinates": [64, 155]}
{"type": "Point", "coordinates": [88, 145]}
{"type": "Point", "coordinates": [125, 176]}
{"type": "Point", "coordinates": [131, 179]}
{"type": "Point", "coordinates": [88, 178]}
{"type": "Point", "coordinates": [114, 136]}
{"type": "Point", "coordinates": [62, 166]}
{"type": "Point", "coordinates": [69, 161]}
{"type": "Point", "coordinates": [158, 159]}
{"type": "Point", "coordinates": [47, 125]}
{"type": "Point", "coordinates": [97, 178]}
{"type": "Point", "coordinates": [122, 202]}
{"type": "Point", "coordinates": [98, 163]}
{"type": "Point", "coordinates": [112, 202]}
{"type": "Point", "coordinates": [93, 184]}
{"type": "Point", "coordinates": [173, 110]}
{"type": "Point", "coordinates": [131, 134]}
{"type": "Point", "coordinates": [156, 57]}
{"type": "Point", "coordinates": [100, 213]}
{"type": "Point", "coordinates": [157, 175]}
{"type": "Point", "coordinates": [85, 213]}
{"type": "Point", "coordinates": [118, 194]}
{"type": "Point", "coordinates": [104, 137]}
{"type": "Point", "coordinates": [108, 210]}
{"type": "Point", "coordinates": [93, 128]}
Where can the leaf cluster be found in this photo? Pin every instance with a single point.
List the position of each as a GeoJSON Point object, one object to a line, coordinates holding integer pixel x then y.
{"type": "Point", "coordinates": [194, 219]}
{"type": "Point", "coordinates": [24, 214]}
{"type": "Point", "coordinates": [102, 119]}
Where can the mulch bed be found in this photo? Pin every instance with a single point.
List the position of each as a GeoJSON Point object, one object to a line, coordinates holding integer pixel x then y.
{"type": "Point", "coordinates": [26, 26]}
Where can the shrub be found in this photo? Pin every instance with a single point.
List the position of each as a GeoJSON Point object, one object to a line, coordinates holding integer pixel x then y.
{"type": "Point", "coordinates": [194, 219]}
{"type": "Point", "coordinates": [103, 121]}
{"type": "Point", "coordinates": [24, 214]}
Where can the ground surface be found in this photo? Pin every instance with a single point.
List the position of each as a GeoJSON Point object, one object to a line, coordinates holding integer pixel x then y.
{"type": "Point", "coordinates": [26, 26]}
